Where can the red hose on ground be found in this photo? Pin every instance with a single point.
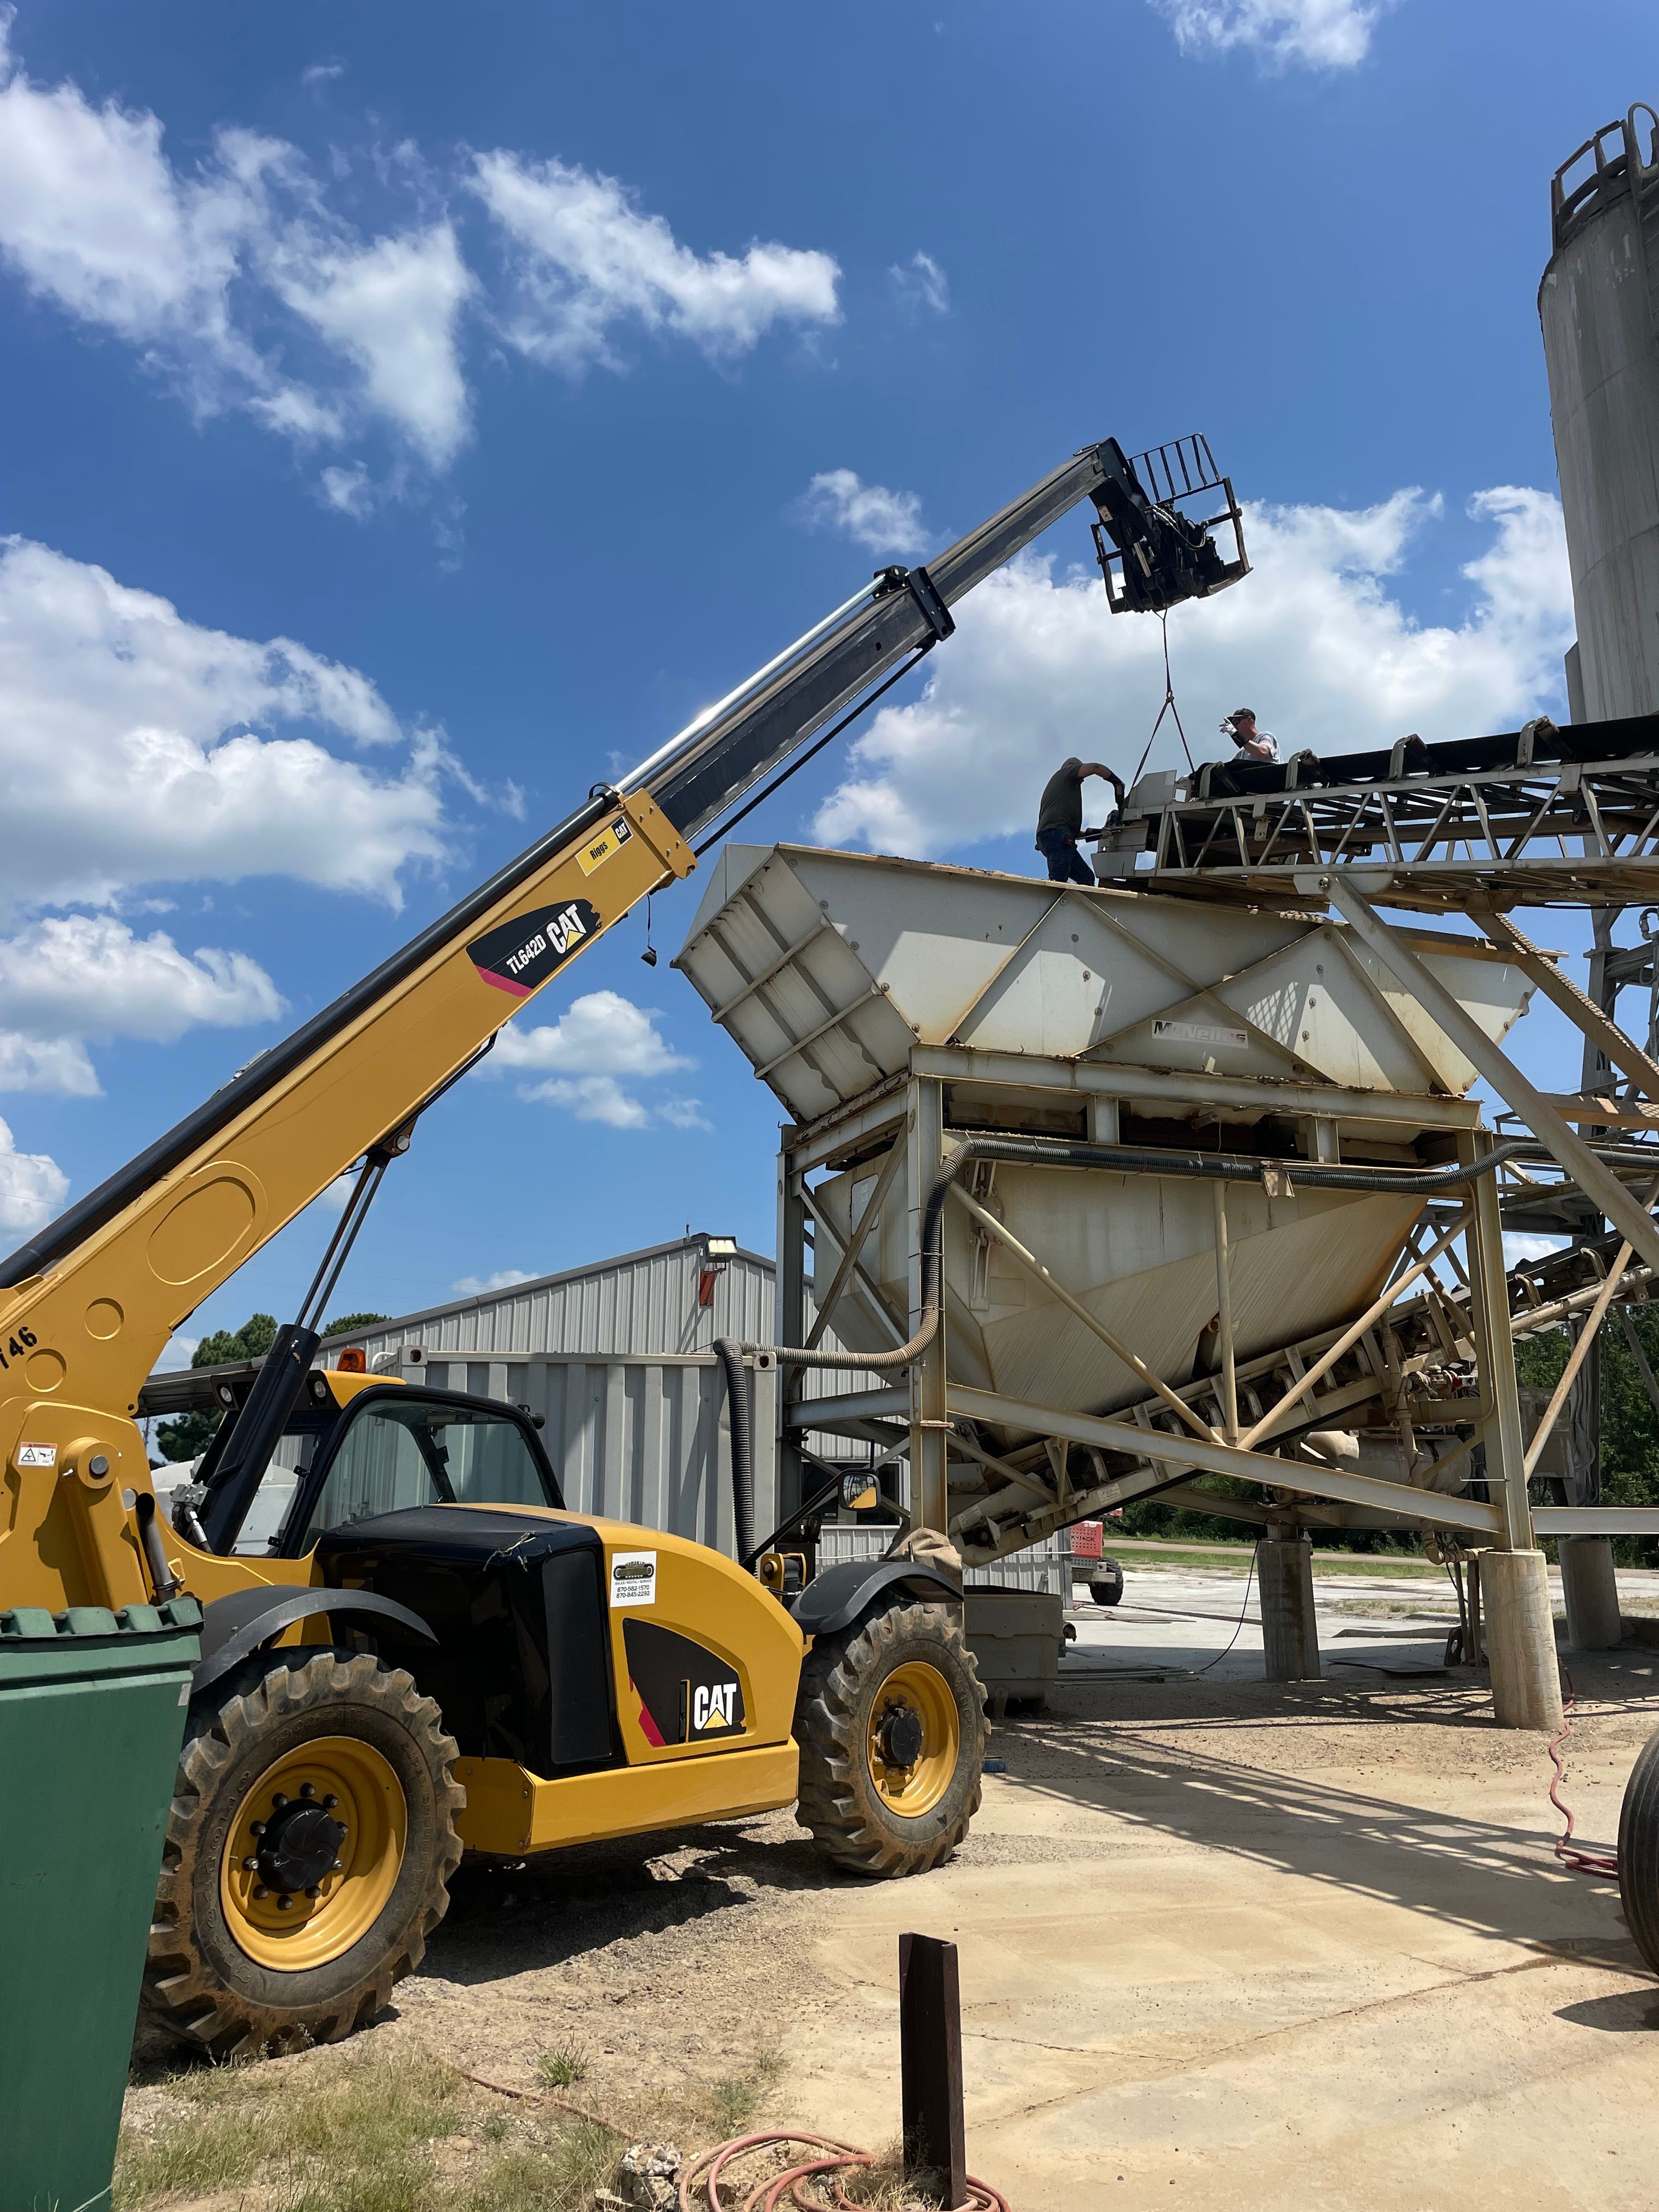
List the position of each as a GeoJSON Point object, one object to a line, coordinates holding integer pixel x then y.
{"type": "Point", "coordinates": [1603, 1865]}
{"type": "Point", "coordinates": [702, 2175]}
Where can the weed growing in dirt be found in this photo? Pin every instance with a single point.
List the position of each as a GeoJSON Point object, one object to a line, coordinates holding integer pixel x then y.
{"type": "Point", "coordinates": [356, 2124]}
{"type": "Point", "coordinates": [732, 2104]}
{"type": "Point", "coordinates": [562, 2067]}
{"type": "Point", "coordinates": [565, 2177]}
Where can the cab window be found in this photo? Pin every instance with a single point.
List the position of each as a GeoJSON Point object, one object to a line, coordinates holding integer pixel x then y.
{"type": "Point", "coordinates": [399, 1453]}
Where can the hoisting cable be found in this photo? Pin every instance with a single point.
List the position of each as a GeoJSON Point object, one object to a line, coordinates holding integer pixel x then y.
{"type": "Point", "coordinates": [1168, 707]}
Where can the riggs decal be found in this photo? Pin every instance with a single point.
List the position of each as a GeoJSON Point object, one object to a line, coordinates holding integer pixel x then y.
{"type": "Point", "coordinates": [521, 954]}
{"type": "Point", "coordinates": [687, 1693]}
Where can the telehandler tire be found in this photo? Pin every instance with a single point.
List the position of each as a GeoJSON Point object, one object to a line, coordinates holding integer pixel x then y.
{"type": "Point", "coordinates": [891, 1721]}
{"type": "Point", "coordinates": [308, 1854]}
{"type": "Point", "coordinates": [1639, 1852]}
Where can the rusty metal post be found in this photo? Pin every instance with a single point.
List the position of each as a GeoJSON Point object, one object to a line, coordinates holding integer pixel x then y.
{"type": "Point", "coordinates": [930, 2066]}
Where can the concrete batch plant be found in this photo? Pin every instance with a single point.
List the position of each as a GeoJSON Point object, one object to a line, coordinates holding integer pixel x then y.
{"type": "Point", "coordinates": [1126, 1188]}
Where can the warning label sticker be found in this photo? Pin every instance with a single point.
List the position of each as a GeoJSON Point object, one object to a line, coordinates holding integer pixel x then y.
{"type": "Point", "coordinates": [37, 1455]}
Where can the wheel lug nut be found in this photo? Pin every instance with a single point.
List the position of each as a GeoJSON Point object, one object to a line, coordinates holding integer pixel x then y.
{"type": "Point", "coordinates": [285, 1904]}
{"type": "Point", "coordinates": [258, 1829]}
{"type": "Point", "coordinates": [329, 1803]}
{"type": "Point", "coordinates": [335, 1868]}
{"type": "Point", "coordinates": [279, 1800]}
{"type": "Point", "coordinates": [260, 1890]}
{"type": "Point", "coordinates": [315, 1889]}
{"type": "Point", "coordinates": [307, 1791]}
{"type": "Point", "coordinates": [250, 1866]}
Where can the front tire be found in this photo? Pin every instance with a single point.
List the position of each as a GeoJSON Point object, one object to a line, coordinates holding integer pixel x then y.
{"type": "Point", "coordinates": [307, 1855]}
{"type": "Point", "coordinates": [891, 1721]}
{"type": "Point", "coordinates": [1639, 1852]}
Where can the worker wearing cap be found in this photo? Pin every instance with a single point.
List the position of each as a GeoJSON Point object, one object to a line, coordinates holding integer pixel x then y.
{"type": "Point", "coordinates": [1253, 743]}
{"type": "Point", "coordinates": [1060, 819]}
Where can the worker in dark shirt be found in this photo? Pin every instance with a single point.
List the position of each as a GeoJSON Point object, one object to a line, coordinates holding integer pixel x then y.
{"type": "Point", "coordinates": [1060, 819]}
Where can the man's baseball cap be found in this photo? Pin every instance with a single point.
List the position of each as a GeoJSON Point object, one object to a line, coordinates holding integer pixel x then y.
{"type": "Point", "coordinates": [1242, 715]}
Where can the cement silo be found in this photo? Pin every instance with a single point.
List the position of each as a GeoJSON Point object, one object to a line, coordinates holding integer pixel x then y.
{"type": "Point", "coordinates": [1599, 305]}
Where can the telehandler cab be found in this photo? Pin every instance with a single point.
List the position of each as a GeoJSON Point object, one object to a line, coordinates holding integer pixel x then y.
{"type": "Point", "coordinates": [430, 1655]}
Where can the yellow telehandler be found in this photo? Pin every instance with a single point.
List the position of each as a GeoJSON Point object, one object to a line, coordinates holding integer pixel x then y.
{"type": "Point", "coordinates": [432, 1656]}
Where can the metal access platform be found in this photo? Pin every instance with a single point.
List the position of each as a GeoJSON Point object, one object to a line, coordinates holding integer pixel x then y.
{"type": "Point", "coordinates": [1538, 817]}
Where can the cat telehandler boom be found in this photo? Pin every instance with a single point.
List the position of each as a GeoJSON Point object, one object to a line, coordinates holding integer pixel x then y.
{"type": "Point", "coordinates": [432, 1656]}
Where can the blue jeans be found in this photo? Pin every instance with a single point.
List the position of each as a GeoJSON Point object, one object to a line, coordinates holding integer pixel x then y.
{"type": "Point", "coordinates": [1066, 864]}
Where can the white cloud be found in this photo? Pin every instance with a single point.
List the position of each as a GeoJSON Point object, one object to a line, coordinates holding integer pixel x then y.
{"type": "Point", "coordinates": [1318, 34]}
{"type": "Point", "coordinates": [393, 307]}
{"type": "Point", "coordinates": [600, 1038]}
{"type": "Point", "coordinates": [176, 1353]}
{"type": "Point", "coordinates": [241, 282]}
{"type": "Point", "coordinates": [126, 755]}
{"type": "Point", "coordinates": [599, 1034]}
{"type": "Point", "coordinates": [188, 267]}
{"type": "Point", "coordinates": [478, 1286]}
{"type": "Point", "coordinates": [886, 521]}
{"type": "Point", "coordinates": [348, 490]}
{"type": "Point", "coordinates": [1517, 1248]}
{"type": "Point", "coordinates": [1040, 669]}
{"type": "Point", "coordinates": [32, 1188]}
{"type": "Point", "coordinates": [77, 976]}
{"type": "Point", "coordinates": [585, 257]}
{"type": "Point", "coordinates": [920, 283]}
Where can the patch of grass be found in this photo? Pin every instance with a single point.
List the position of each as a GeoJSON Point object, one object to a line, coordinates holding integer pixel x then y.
{"type": "Point", "coordinates": [734, 2103]}
{"type": "Point", "coordinates": [497, 2129]}
{"type": "Point", "coordinates": [564, 2177]}
{"type": "Point", "coordinates": [1145, 1557]}
{"type": "Point", "coordinates": [200, 2151]}
{"type": "Point", "coordinates": [329, 2139]}
{"type": "Point", "coordinates": [562, 2067]}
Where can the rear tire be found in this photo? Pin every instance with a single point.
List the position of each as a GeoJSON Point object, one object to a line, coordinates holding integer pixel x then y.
{"type": "Point", "coordinates": [1639, 1852]}
{"type": "Point", "coordinates": [891, 1721]}
{"type": "Point", "coordinates": [1106, 1583]}
{"type": "Point", "coordinates": [239, 1963]}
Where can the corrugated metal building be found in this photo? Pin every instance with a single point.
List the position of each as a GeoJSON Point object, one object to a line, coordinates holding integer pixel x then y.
{"type": "Point", "coordinates": [617, 1358]}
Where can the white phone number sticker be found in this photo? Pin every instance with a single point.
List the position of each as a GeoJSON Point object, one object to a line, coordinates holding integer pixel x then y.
{"type": "Point", "coordinates": [633, 1578]}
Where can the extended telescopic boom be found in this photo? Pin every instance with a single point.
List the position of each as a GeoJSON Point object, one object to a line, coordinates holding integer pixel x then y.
{"type": "Point", "coordinates": [93, 1298]}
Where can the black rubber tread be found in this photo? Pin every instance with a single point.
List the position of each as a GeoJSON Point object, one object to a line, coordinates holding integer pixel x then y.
{"type": "Point", "coordinates": [1639, 1852]}
{"type": "Point", "coordinates": [198, 1983]}
{"type": "Point", "coordinates": [1106, 1583]}
{"type": "Point", "coordinates": [840, 1679]}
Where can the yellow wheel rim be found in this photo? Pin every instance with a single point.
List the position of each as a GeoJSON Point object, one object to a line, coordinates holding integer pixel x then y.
{"type": "Point", "coordinates": [914, 1693]}
{"type": "Point", "coordinates": [300, 1927]}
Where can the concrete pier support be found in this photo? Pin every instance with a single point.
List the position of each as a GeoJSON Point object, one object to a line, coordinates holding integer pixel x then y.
{"type": "Point", "coordinates": [1290, 1634]}
{"type": "Point", "coordinates": [1526, 1681]}
{"type": "Point", "coordinates": [1590, 1587]}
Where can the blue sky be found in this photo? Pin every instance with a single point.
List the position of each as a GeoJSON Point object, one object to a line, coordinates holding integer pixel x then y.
{"type": "Point", "coordinates": [415, 413]}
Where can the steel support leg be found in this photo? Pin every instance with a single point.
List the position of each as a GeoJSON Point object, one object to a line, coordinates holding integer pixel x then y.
{"type": "Point", "coordinates": [790, 1327]}
{"type": "Point", "coordinates": [930, 1504]}
{"type": "Point", "coordinates": [1526, 1679]}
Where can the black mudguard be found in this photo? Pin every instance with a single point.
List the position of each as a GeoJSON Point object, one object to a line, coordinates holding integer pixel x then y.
{"type": "Point", "coordinates": [237, 1625]}
{"type": "Point", "coordinates": [833, 1600]}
